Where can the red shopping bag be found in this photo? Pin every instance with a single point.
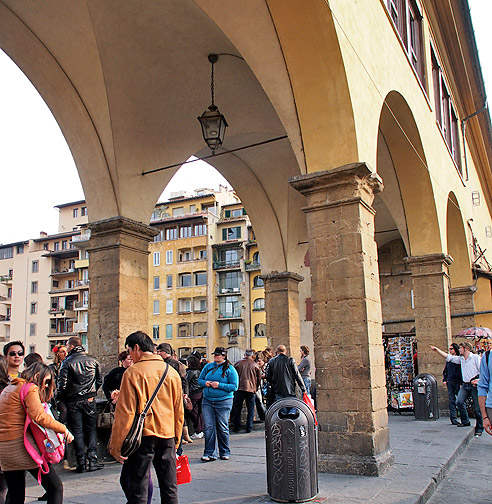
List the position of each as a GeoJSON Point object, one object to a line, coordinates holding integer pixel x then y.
{"type": "Point", "coordinates": [306, 399]}
{"type": "Point", "coordinates": [183, 472]}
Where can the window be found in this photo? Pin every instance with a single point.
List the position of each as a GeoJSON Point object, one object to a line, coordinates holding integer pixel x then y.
{"type": "Point", "coordinates": [171, 234]}
{"type": "Point", "coordinates": [201, 254]}
{"type": "Point", "coordinates": [155, 332]}
{"type": "Point", "coordinates": [169, 331]}
{"type": "Point", "coordinates": [256, 258]}
{"type": "Point", "coordinates": [185, 280]}
{"type": "Point", "coordinates": [20, 249]}
{"type": "Point", "coordinates": [183, 352]}
{"type": "Point", "coordinates": [184, 305]}
{"type": "Point", "coordinates": [446, 115]}
{"type": "Point", "coordinates": [7, 253]}
{"type": "Point", "coordinates": [159, 237]}
{"type": "Point", "coordinates": [260, 330]}
{"type": "Point", "coordinates": [169, 281]}
{"type": "Point", "coordinates": [55, 283]}
{"type": "Point", "coordinates": [35, 266]}
{"type": "Point", "coordinates": [185, 231]}
{"type": "Point", "coordinates": [229, 258]}
{"type": "Point", "coordinates": [184, 255]}
{"type": "Point", "coordinates": [70, 284]}
{"type": "Point", "coordinates": [34, 287]}
{"type": "Point", "coordinates": [75, 213]}
{"type": "Point", "coordinates": [83, 211]}
{"type": "Point", "coordinates": [9, 292]}
{"type": "Point", "coordinates": [407, 18]}
{"type": "Point", "coordinates": [169, 256]}
{"type": "Point", "coordinates": [71, 264]}
{"type": "Point", "coordinates": [192, 209]}
{"type": "Point", "coordinates": [230, 281]}
{"type": "Point", "coordinates": [238, 212]}
{"type": "Point", "coordinates": [200, 278]}
{"type": "Point", "coordinates": [233, 233]}
{"type": "Point", "coordinates": [200, 229]}
{"type": "Point", "coordinates": [156, 307]}
{"type": "Point", "coordinates": [34, 308]}
{"type": "Point", "coordinates": [200, 304]}
{"type": "Point", "coordinates": [169, 305]}
{"type": "Point", "coordinates": [259, 304]}
{"type": "Point", "coordinates": [32, 329]}
{"type": "Point", "coordinates": [184, 330]}
{"type": "Point", "coordinates": [156, 283]}
{"type": "Point", "coordinates": [178, 211]}
{"type": "Point", "coordinates": [64, 245]}
{"type": "Point", "coordinates": [200, 329]}
{"type": "Point", "coordinates": [229, 307]}
{"type": "Point", "coordinates": [157, 259]}
{"type": "Point", "coordinates": [258, 282]}
{"type": "Point", "coordinates": [56, 246]}
{"type": "Point", "coordinates": [45, 246]}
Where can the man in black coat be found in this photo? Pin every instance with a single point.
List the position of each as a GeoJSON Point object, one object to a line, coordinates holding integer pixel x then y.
{"type": "Point", "coordinates": [282, 374]}
{"type": "Point", "coordinates": [78, 381]}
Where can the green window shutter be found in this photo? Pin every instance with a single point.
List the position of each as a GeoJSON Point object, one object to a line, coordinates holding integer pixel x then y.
{"type": "Point", "coordinates": [227, 214]}
{"type": "Point", "coordinates": [244, 211]}
{"type": "Point", "coordinates": [239, 231]}
{"type": "Point", "coordinates": [224, 234]}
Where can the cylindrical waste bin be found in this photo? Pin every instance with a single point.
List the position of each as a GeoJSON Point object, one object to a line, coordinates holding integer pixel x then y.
{"type": "Point", "coordinates": [291, 451]}
{"type": "Point", "coordinates": [425, 398]}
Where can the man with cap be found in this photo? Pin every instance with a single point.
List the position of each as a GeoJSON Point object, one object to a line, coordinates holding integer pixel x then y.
{"type": "Point", "coordinates": [219, 380]}
{"type": "Point", "coordinates": [165, 350]}
{"type": "Point", "coordinates": [249, 380]}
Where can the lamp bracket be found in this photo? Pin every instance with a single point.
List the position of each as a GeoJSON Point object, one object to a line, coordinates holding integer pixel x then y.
{"type": "Point", "coordinates": [213, 58]}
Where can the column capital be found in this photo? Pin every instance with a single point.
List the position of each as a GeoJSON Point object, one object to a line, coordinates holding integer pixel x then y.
{"type": "Point", "coordinates": [120, 223]}
{"type": "Point", "coordinates": [275, 276]}
{"type": "Point", "coordinates": [346, 184]}
{"type": "Point", "coordinates": [429, 264]}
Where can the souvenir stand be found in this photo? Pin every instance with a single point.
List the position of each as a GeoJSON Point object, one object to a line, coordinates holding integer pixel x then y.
{"type": "Point", "coordinates": [399, 351]}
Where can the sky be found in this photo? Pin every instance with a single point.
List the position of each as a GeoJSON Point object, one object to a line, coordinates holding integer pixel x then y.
{"type": "Point", "coordinates": [37, 168]}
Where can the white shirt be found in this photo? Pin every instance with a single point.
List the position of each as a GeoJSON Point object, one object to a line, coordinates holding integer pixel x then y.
{"type": "Point", "coordinates": [469, 367]}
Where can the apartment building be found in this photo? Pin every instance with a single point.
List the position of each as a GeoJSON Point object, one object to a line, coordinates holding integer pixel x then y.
{"type": "Point", "coordinates": [200, 278]}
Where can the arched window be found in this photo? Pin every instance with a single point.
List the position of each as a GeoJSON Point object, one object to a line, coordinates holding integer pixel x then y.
{"type": "Point", "coordinates": [258, 281]}
{"type": "Point", "coordinates": [260, 330]}
{"type": "Point", "coordinates": [256, 257]}
{"type": "Point", "coordinates": [259, 304]}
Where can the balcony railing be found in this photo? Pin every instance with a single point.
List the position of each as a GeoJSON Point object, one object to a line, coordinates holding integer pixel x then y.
{"type": "Point", "coordinates": [64, 271]}
{"type": "Point", "coordinates": [229, 290]}
{"type": "Point", "coordinates": [80, 305]}
{"type": "Point", "coordinates": [80, 327]}
{"type": "Point", "coordinates": [227, 264]}
{"type": "Point", "coordinates": [82, 283]}
{"type": "Point", "coordinates": [252, 265]}
{"type": "Point", "coordinates": [82, 237]}
{"type": "Point", "coordinates": [6, 278]}
{"type": "Point", "coordinates": [229, 314]}
{"type": "Point", "coordinates": [4, 318]}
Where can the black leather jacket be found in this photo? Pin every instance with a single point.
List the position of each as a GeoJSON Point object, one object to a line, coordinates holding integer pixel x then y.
{"type": "Point", "coordinates": [79, 376]}
{"type": "Point", "coordinates": [282, 374]}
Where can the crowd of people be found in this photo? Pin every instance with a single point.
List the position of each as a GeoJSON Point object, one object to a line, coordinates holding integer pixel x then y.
{"type": "Point", "coordinates": [196, 395]}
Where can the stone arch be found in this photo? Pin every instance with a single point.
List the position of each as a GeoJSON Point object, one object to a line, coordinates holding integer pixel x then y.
{"type": "Point", "coordinates": [402, 140]}
{"type": "Point", "coordinates": [460, 271]}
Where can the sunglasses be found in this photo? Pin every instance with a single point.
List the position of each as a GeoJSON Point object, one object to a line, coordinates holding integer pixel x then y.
{"type": "Point", "coordinates": [20, 353]}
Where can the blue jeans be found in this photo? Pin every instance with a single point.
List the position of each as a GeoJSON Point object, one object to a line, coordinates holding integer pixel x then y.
{"type": "Point", "coordinates": [466, 391]}
{"type": "Point", "coordinates": [453, 390]}
{"type": "Point", "coordinates": [216, 426]}
{"type": "Point", "coordinates": [288, 410]}
{"type": "Point", "coordinates": [239, 397]}
{"type": "Point", "coordinates": [307, 384]}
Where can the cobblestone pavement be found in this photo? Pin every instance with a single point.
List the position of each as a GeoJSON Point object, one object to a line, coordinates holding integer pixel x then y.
{"type": "Point", "coordinates": [470, 478]}
{"type": "Point", "coordinates": [424, 452]}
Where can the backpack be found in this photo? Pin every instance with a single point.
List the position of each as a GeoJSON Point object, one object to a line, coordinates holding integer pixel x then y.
{"type": "Point", "coordinates": [50, 447]}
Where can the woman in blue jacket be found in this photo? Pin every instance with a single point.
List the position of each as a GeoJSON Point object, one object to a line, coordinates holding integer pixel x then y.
{"type": "Point", "coordinates": [219, 380]}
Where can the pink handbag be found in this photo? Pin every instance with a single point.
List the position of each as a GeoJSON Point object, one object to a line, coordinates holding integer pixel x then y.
{"type": "Point", "coordinates": [50, 445]}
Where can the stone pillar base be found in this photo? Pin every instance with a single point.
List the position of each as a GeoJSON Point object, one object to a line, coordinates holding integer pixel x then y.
{"type": "Point", "coordinates": [375, 465]}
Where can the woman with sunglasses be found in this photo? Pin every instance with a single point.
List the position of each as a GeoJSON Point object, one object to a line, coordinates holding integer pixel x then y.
{"type": "Point", "coordinates": [14, 351]}
{"type": "Point", "coordinates": [14, 458]}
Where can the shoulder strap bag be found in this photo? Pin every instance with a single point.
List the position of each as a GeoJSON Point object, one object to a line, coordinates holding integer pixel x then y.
{"type": "Point", "coordinates": [134, 437]}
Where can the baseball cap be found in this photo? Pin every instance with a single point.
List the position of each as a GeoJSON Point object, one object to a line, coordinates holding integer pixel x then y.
{"type": "Point", "coordinates": [165, 347]}
{"type": "Point", "coordinates": [220, 351]}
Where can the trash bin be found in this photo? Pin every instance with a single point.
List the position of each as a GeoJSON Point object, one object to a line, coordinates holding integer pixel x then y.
{"type": "Point", "coordinates": [291, 452]}
{"type": "Point", "coordinates": [425, 398]}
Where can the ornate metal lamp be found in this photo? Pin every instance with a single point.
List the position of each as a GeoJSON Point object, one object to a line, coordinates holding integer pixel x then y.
{"type": "Point", "coordinates": [213, 123]}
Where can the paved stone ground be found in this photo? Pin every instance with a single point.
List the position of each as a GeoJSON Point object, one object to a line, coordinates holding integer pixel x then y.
{"type": "Point", "coordinates": [424, 452]}
{"type": "Point", "coordinates": [470, 478]}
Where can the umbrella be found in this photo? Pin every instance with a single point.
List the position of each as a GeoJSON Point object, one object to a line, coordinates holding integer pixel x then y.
{"type": "Point", "coordinates": [476, 332]}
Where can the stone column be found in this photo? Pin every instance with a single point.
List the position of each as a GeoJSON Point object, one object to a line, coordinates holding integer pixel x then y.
{"type": "Point", "coordinates": [430, 280]}
{"type": "Point", "coordinates": [282, 310]}
{"type": "Point", "coordinates": [462, 308]}
{"type": "Point", "coordinates": [118, 272]}
{"type": "Point", "coordinates": [348, 347]}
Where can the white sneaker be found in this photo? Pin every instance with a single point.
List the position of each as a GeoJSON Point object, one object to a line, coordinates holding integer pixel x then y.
{"type": "Point", "coordinates": [197, 436]}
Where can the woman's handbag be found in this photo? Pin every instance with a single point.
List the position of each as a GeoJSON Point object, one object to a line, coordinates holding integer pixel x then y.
{"type": "Point", "coordinates": [50, 447]}
{"type": "Point", "coordinates": [307, 401]}
{"type": "Point", "coordinates": [105, 419]}
{"type": "Point", "coordinates": [183, 473]}
{"type": "Point", "coordinates": [188, 405]}
{"type": "Point", "coordinates": [134, 437]}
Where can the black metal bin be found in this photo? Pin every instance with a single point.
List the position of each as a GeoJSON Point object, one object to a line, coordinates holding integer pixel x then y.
{"type": "Point", "coordinates": [291, 452]}
{"type": "Point", "coordinates": [425, 397]}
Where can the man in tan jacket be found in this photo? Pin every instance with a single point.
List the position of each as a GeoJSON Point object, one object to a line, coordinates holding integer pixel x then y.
{"type": "Point", "coordinates": [162, 428]}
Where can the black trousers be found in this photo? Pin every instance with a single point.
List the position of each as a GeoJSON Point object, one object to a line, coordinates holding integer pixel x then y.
{"type": "Point", "coordinates": [134, 477]}
{"type": "Point", "coordinates": [82, 421]}
{"type": "Point", "coordinates": [16, 484]}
